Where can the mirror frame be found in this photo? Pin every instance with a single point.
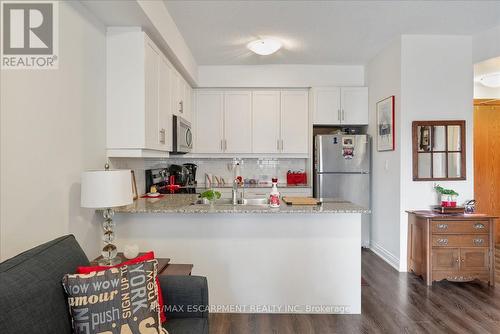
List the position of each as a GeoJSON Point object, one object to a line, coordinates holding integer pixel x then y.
{"type": "Point", "coordinates": [416, 125]}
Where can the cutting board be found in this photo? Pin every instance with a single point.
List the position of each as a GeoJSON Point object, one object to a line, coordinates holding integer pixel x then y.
{"type": "Point", "coordinates": [300, 200]}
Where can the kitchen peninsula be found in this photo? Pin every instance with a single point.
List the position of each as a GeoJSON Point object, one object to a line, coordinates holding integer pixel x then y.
{"type": "Point", "coordinates": [301, 259]}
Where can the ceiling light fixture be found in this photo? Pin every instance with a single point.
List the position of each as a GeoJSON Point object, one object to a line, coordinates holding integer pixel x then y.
{"type": "Point", "coordinates": [265, 46]}
{"type": "Point", "coordinates": [491, 80]}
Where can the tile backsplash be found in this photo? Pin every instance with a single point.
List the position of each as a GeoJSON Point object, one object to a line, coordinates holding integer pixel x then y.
{"type": "Point", "coordinates": [261, 169]}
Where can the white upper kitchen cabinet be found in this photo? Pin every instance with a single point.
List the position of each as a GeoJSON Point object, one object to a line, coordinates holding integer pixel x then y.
{"type": "Point", "coordinates": [165, 102]}
{"type": "Point", "coordinates": [209, 121]}
{"type": "Point", "coordinates": [340, 105]}
{"type": "Point", "coordinates": [266, 121]}
{"type": "Point", "coordinates": [326, 105]}
{"type": "Point", "coordinates": [354, 105]}
{"type": "Point", "coordinates": [237, 122]}
{"type": "Point", "coordinates": [137, 106]}
{"type": "Point", "coordinates": [294, 121]}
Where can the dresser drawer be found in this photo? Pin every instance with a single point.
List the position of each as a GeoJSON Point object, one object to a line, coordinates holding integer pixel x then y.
{"type": "Point", "coordinates": [467, 240]}
{"type": "Point", "coordinates": [460, 226]}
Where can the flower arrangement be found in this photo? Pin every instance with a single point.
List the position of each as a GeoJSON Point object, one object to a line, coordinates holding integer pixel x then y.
{"type": "Point", "coordinates": [448, 196]}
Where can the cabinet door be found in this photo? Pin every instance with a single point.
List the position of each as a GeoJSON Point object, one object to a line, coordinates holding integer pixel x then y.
{"type": "Point", "coordinates": [177, 94]}
{"type": "Point", "coordinates": [476, 259]}
{"type": "Point", "coordinates": [354, 105]}
{"type": "Point", "coordinates": [294, 121]}
{"type": "Point", "coordinates": [266, 121]}
{"type": "Point", "coordinates": [165, 104]}
{"type": "Point", "coordinates": [238, 122]}
{"type": "Point", "coordinates": [209, 121]}
{"type": "Point", "coordinates": [445, 259]}
{"type": "Point", "coordinates": [186, 101]}
{"type": "Point", "coordinates": [151, 70]}
{"type": "Point", "coordinates": [326, 105]}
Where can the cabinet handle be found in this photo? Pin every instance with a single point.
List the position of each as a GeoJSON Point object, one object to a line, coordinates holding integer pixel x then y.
{"type": "Point", "coordinates": [225, 145]}
{"type": "Point", "coordinates": [278, 144]}
{"type": "Point", "coordinates": [442, 242]}
{"type": "Point", "coordinates": [479, 226]}
{"type": "Point", "coordinates": [442, 226]}
{"type": "Point", "coordinates": [281, 144]}
{"type": "Point", "coordinates": [478, 242]}
{"type": "Point", "coordinates": [181, 106]}
{"type": "Point", "coordinates": [338, 114]}
{"type": "Point", "coordinates": [221, 145]}
{"type": "Point", "coordinates": [162, 136]}
{"type": "Point", "coordinates": [457, 260]}
{"type": "Point", "coordinates": [343, 118]}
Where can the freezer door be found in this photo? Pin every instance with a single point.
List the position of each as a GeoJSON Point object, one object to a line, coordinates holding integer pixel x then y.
{"type": "Point", "coordinates": [354, 188]}
{"type": "Point", "coordinates": [342, 153]}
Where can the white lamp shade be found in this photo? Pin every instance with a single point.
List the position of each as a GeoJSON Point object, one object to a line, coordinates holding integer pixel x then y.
{"type": "Point", "coordinates": [106, 188]}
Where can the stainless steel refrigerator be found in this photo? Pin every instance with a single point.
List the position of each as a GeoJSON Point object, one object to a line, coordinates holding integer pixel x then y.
{"type": "Point", "coordinates": [342, 172]}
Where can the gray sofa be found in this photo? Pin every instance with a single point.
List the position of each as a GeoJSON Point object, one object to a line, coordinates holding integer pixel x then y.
{"type": "Point", "coordinates": [32, 298]}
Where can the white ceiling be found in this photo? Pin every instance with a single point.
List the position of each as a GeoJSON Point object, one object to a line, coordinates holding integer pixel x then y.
{"type": "Point", "coordinates": [318, 32]}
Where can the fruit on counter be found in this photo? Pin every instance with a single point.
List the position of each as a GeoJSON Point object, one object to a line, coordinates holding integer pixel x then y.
{"type": "Point", "coordinates": [210, 194]}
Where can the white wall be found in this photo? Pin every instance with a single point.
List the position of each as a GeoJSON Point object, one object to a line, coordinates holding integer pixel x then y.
{"type": "Point", "coordinates": [383, 80]}
{"type": "Point", "coordinates": [486, 45]}
{"type": "Point", "coordinates": [436, 84]}
{"type": "Point", "coordinates": [52, 128]}
{"type": "Point", "coordinates": [280, 75]}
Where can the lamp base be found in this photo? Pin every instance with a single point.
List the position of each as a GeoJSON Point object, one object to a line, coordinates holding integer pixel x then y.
{"type": "Point", "coordinates": [109, 262]}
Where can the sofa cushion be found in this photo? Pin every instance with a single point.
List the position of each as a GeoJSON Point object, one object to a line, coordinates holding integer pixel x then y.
{"type": "Point", "coordinates": [32, 298]}
{"type": "Point", "coordinates": [187, 326]}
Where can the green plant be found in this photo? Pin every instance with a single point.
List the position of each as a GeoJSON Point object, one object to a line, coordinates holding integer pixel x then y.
{"type": "Point", "coordinates": [444, 191]}
{"type": "Point", "coordinates": [210, 194]}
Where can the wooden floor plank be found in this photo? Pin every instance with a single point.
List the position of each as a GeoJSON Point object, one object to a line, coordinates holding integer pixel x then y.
{"type": "Point", "coordinates": [392, 302]}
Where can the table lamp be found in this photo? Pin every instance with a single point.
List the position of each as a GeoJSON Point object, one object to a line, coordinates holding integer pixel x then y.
{"type": "Point", "coordinates": [106, 189]}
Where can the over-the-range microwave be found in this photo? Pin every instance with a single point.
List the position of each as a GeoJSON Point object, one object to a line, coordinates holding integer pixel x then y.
{"type": "Point", "coordinates": [182, 141]}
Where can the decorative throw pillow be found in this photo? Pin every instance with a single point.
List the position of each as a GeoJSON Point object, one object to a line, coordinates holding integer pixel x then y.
{"type": "Point", "coordinates": [144, 257]}
{"type": "Point", "coordinates": [118, 300]}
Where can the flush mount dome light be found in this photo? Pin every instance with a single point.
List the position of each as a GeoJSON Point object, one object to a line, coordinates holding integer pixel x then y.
{"type": "Point", "coordinates": [265, 46]}
{"type": "Point", "coordinates": [490, 80]}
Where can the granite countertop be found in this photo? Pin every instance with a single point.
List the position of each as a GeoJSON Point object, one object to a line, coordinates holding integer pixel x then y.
{"type": "Point", "coordinates": [182, 203]}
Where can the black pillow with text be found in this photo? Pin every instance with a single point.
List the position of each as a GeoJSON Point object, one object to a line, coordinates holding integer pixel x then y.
{"type": "Point", "coordinates": [121, 300]}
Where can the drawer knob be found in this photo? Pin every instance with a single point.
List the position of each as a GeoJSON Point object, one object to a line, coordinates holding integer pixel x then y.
{"type": "Point", "coordinates": [478, 241]}
{"type": "Point", "coordinates": [442, 241]}
{"type": "Point", "coordinates": [479, 226]}
{"type": "Point", "coordinates": [442, 226]}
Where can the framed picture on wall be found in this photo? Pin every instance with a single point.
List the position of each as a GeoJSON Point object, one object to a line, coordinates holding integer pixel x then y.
{"type": "Point", "coordinates": [385, 125]}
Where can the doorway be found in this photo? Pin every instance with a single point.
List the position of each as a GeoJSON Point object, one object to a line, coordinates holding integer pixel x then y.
{"type": "Point", "coordinates": [487, 157]}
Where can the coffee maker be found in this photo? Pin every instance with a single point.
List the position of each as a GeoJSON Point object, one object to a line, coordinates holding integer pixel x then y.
{"type": "Point", "coordinates": [183, 175]}
{"type": "Point", "coordinates": [192, 173]}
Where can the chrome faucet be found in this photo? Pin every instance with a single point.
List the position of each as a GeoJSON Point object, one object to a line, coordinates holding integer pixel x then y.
{"type": "Point", "coordinates": [234, 194]}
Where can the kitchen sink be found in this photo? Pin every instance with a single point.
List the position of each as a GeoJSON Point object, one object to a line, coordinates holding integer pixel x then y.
{"type": "Point", "coordinates": [228, 201]}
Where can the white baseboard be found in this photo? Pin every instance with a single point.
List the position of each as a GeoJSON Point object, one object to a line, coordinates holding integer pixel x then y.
{"type": "Point", "coordinates": [385, 255]}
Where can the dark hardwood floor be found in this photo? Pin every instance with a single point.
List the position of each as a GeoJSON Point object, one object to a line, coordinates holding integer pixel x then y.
{"type": "Point", "coordinates": [391, 303]}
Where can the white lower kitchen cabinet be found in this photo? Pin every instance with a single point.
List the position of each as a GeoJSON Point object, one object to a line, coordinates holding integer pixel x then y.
{"type": "Point", "coordinates": [237, 122]}
{"type": "Point", "coordinates": [294, 121]}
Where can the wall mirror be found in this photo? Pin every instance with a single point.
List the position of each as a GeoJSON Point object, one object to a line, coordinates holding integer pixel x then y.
{"type": "Point", "coordinates": [438, 150]}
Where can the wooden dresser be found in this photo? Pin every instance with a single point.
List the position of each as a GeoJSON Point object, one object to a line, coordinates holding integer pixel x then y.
{"type": "Point", "coordinates": [457, 248]}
